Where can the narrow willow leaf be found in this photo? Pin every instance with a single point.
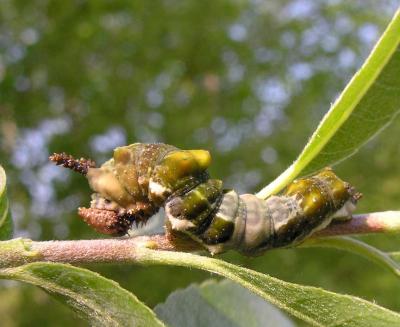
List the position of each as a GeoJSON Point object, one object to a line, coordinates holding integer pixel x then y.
{"type": "Point", "coordinates": [219, 304]}
{"type": "Point", "coordinates": [315, 306]}
{"type": "Point", "coordinates": [368, 103]}
{"type": "Point", "coordinates": [5, 215]}
{"type": "Point", "coordinates": [355, 246]}
{"type": "Point", "coordinates": [99, 300]}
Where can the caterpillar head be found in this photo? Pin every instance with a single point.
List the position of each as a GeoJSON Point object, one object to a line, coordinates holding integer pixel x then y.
{"type": "Point", "coordinates": [132, 186]}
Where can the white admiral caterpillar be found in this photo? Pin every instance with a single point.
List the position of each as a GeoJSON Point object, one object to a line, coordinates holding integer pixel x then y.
{"type": "Point", "coordinates": [142, 178]}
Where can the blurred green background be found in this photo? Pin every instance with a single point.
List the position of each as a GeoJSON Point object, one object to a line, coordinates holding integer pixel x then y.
{"type": "Point", "coordinates": [248, 80]}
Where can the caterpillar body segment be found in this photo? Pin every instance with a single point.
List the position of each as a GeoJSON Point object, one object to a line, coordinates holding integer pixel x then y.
{"type": "Point", "coordinates": [142, 178]}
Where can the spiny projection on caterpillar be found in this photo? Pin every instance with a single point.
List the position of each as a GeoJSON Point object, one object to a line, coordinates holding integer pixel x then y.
{"type": "Point", "coordinates": [141, 178]}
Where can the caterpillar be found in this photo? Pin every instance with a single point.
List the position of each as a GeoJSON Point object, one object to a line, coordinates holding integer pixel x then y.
{"type": "Point", "coordinates": [141, 178]}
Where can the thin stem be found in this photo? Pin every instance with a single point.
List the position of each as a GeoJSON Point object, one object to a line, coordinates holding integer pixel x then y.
{"type": "Point", "coordinates": [374, 222]}
{"type": "Point", "coordinates": [127, 250]}
{"type": "Point", "coordinates": [117, 250]}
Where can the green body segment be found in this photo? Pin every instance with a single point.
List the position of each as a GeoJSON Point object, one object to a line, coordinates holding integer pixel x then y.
{"type": "Point", "coordinates": [314, 201]}
{"type": "Point", "coordinates": [178, 168]}
{"type": "Point", "coordinates": [321, 194]}
{"type": "Point", "coordinates": [219, 231]}
{"type": "Point", "coordinates": [196, 206]}
{"type": "Point", "coordinates": [201, 201]}
{"type": "Point", "coordinates": [201, 208]}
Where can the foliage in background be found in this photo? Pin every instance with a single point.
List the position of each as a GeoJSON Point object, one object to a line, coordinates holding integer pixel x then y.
{"type": "Point", "coordinates": [239, 81]}
{"type": "Point", "coordinates": [366, 106]}
{"type": "Point", "coordinates": [5, 214]}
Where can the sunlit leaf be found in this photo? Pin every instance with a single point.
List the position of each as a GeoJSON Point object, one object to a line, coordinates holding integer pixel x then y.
{"type": "Point", "coordinates": [368, 103]}
{"type": "Point", "coordinates": [219, 304]}
{"type": "Point", "coordinates": [315, 306]}
{"type": "Point", "coordinates": [99, 300]}
{"type": "Point", "coordinates": [5, 215]}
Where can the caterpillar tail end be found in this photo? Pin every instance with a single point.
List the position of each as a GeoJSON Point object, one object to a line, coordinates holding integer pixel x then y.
{"type": "Point", "coordinates": [354, 194]}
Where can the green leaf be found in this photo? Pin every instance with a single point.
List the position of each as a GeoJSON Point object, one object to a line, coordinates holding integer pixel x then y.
{"type": "Point", "coordinates": [313, 305]}
{"type": "Point", "coordinates": [365, 250]}
{"type": "Point", "coordinates": [368, 103]}
{"type": "Point", "coordinates": [101, 301]}
{"type": "Point", "coordinates": [5, 215]}
{"type": "Point", "coordinates": [395, 256]}
{"type": "Point", "coordinates": [219, 304]}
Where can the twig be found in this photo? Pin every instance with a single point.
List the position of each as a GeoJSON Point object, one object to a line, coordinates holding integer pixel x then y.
{"type": "Point", "coordinates": [368, 223]}
{"type": "Point", "coordinates": [126, 250]}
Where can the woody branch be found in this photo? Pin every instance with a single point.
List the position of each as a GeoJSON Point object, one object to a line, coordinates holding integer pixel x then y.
{"type": "Point", "coordinates": [127, 250]}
